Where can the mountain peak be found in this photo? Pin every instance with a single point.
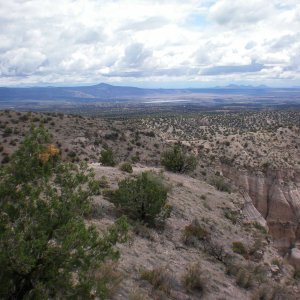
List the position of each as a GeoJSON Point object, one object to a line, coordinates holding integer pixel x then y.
{"type": "Point", "coordinates": [102, 84]}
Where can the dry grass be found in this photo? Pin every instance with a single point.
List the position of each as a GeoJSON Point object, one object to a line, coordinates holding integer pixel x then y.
{"type": "Point", "coordinates": [194, 280]}
{"type": "Point", "coordinates": [159, 278]}
{"type": "Point", "coordinates": [193, 233]}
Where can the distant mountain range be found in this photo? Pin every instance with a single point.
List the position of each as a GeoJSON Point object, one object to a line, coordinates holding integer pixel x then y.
{"type": "Point", "coordinates": [236, 86]}
{"type": "Point", "coordinates": [106, 92]}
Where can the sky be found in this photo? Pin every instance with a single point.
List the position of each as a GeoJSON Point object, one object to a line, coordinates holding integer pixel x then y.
{"type": "Point", "coordinates": [172, 43]}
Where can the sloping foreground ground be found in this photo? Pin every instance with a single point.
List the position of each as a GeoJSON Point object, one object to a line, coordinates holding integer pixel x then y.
{"type": "Point", "coordinates": [164, 250]}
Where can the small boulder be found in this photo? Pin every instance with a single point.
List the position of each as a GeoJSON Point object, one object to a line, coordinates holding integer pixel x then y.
{"type": "Point", "coordinates": [294, 258]}
{"type": "Point", "coordinates": [275, 269]}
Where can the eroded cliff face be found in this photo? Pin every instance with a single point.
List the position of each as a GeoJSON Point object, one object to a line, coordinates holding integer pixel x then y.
{"type": "Point", "coordinates": [276, 196]}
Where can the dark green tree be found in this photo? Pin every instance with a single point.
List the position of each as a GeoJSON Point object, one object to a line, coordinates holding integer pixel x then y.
{"type": "Point", "coordinates": [46, 249]}
{"type": "Point", "coordinates": [107, 157]}
{"type": "Point", "coordinates": [177, 160]}
{"type": "Point", "coordinates": [143, 199]}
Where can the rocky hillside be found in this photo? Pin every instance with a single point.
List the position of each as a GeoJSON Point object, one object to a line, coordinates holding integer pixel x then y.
{"type": "Point", "coordinates": [276, 195]}
{"type": "Point", "coordinates": [208, 248]}
{"type": "Point", "coordinates": [257, 151]}
{"type": "Point", "coordinates": [82, 138]}
{"type": "Point", "coordinates": [254, 154]}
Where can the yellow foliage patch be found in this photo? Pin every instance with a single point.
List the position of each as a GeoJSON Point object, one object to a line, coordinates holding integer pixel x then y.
{"type": "Point", "coordinates": [51, 150]}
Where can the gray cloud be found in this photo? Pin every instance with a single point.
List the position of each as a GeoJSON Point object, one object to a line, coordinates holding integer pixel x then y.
{"type": "Point", "coordinates": [174, 72]}
{"type": "Point", "coordinates": [149, 23]}
{"type": "Point", "coordinates": [294, 65]}
{"type": "Point", "coordinates": [130, 74]}
{"type": "Point", "coordinates": [285, 41]}
{"type": "Point", "coordinates": [135, 54]}
{"type": "Point", "coordinates": [250, 45]}
{"type": "Point", "coordinates": [221, 70]}
{"type": "Point", "coordinates": [90, 36]}
{"type": "Point", "coordinates": [228, 12]}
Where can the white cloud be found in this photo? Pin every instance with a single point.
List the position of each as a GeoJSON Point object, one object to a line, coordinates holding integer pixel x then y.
{"type": "Point", "coordinates": [21, 62]}
{"type": "Point", "coordinates": [235, 12]}
{"type": "Point", "coordinates": [86, 41]}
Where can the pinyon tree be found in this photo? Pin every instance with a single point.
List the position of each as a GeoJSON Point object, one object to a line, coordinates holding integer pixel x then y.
{"type": "Point", "coordinates": [46, 248]}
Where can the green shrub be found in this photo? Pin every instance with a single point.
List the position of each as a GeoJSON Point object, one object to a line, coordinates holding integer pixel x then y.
{"type": "Point", "coordinates": [276, 261]}
{"type": "Point", "coordinates": [108, 193]}
{"type": "Point", "coordinates": [177, 160]}
{"type": "Point", "coordinates": [111, 136]}
{"type": "Point", "coordinates": [7, 132]}
{"type": "Point", "coordinates": [72, 154]}
{"type": "Point", "coordinates": [239, 247]}
{"type": "Point", "coordinates": [5, 159]}
{"type": "Point", "coordinates": [232, 215]}
{"type": "Point", "coordinates": [47, 251]}
{"type": "Point", "coordinates": [135, 158]}
{"type": "Point", "coordinates": [126, 167]}
{"type": "Point", "coordinates": [107, 157]}
{"type": "Point", "coordinates": [143, 198]}
{"type": "Point", "coordinates": [220, 184]}
{"type": "Point", "coordinates": [24, 118]}
{"type": "Point", "coordinates": [244, 279]}
{"type": "Point", "coordinates": [103, 182]}
{"type": "Point", "coordinates": [297, 275]}
{"type": "Point", "coordinates": [260, 227]}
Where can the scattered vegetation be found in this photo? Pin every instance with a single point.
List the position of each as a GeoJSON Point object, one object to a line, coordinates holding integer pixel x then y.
{"type": "Point", "coordinates": [239, 139]}
{"type": "Point", "coordinates": [247, 275]}
{"type": "Point", "coordinates": [272, 292]}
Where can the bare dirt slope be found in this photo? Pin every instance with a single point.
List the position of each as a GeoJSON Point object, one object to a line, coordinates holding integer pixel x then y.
{"type": "Point", "coordinates": [163, 249]}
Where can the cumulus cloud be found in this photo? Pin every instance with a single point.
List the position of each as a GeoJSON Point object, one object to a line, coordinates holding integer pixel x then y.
{"type": "Point", "coordinates": [21, 62]}
{"type": "Point", "coordinates": [235, 12]}
{"type": "Point", "coordinates": [135, 55]}
{"type": "Point", "coordinates": [89, 41]}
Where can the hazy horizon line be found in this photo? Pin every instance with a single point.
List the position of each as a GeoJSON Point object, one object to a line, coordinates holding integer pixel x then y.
{"type": "Point", "coordinates": [233, 85]}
